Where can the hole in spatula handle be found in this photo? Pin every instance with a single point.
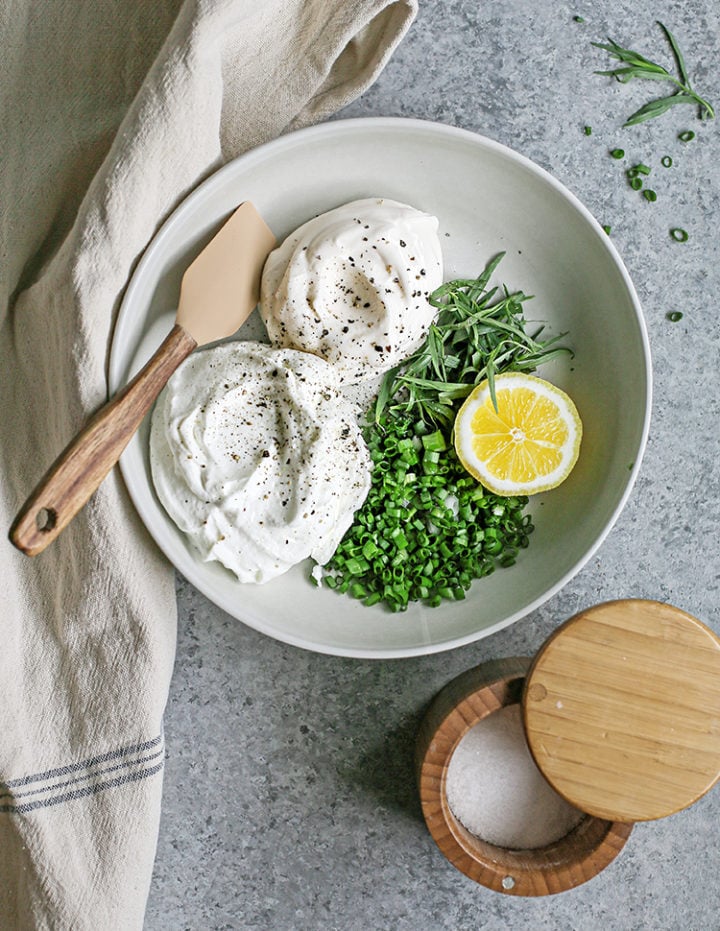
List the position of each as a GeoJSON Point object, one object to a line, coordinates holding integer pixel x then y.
{"type": "Point", "coordinates": [46, 519]}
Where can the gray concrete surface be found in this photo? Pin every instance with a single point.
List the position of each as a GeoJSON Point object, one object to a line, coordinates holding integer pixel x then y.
{"type": "Point", "coordinates": [289, 795]}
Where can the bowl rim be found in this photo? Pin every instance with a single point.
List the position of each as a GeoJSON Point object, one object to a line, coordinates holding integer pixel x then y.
{"type": "Point", "coordinates": [333, 128]}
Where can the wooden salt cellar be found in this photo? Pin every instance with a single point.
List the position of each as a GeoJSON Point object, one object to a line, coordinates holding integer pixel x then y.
{"type": "Point", "coordinates": [621, 708]}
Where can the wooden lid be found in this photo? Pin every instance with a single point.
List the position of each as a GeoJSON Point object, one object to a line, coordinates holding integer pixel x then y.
{"type": "Point", "coordinates": [622, 710]}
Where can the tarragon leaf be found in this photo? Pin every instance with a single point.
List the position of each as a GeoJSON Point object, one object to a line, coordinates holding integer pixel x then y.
{"type": "Point", "coordinates": [677, 53]}
{"type": "Point", "coordinates": [640, 67]}
{"type": "Point", "coordinates": [386, 391]}
{"type": "Point", "coordinates": [656, 108]}
{"type": "Point", "coordinates": [629, 56]}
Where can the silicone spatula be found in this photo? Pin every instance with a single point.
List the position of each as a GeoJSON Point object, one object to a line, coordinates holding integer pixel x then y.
{"type": "Point", "coordinates": [218, 292]}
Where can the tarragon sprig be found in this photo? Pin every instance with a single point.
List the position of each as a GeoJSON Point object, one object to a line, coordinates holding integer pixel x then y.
{"type": "Point", "coordinates": [636, 65]}
{"type": "Point", "coordinates": [476, 335]}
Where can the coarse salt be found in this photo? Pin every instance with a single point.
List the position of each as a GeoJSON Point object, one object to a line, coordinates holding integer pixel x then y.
{"type": "Point", "coordinates": [497, 792]}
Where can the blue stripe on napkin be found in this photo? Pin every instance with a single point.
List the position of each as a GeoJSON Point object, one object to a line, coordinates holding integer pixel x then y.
{"type": "Point", "coordinates": [87, 777]}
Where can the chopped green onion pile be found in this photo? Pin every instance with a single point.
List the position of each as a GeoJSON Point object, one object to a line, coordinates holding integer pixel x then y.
{"type": "Point", "coordinates": [428, 528]}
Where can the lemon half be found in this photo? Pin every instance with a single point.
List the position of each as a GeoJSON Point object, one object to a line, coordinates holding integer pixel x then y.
{"type": "Point", "coordinates": [530, 444]}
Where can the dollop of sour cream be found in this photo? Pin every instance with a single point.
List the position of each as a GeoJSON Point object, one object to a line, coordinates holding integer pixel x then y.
{"type": "Point", "coordinates": [352, 286]}
{"type": "Point", "coordinates": [258, 458]}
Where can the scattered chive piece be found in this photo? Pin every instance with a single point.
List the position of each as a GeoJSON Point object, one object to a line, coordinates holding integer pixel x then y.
{"type": "Point", "coordinates": [618, 153]}
{"type": "Point", "coordinates": [679, 234]}
{"type": "Point", "coordinates": [579, 19]}
{"type": "Point", "coordinates": [607, 229]}
{"type": "Point", "coordinates": [686, 136]}
{"type": "Point", "coordinates": [588, 130]}
{"type": "Point", "coordinates": [674, 316]}
{"type": "Point", "coordinates": [635, 183]}
{"type": "Point", "coordinates": [650, 195]}
{"type": "Point", "coordinates": [666, 161]}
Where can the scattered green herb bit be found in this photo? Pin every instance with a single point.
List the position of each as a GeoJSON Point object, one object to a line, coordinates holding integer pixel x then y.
{"type": "Point", "coordinates": [666, 161]}
{"type": "Point", "coordinates": [636, 174]}
{"type": "Point", "coordinates": [650, 195]}
{"type": "Point", "coordinates": [687, 136]}
{"type": "Point", "coordinates": [674, 315]}
{"type": "Point", "coordinates": [618, 153]}
{"type": "Point", "coordinates": [637, 66]}
{"type": "Point", "coordinates": [588, 130]}
{"type": "Point", "coordinates": [679, 235]}
{"type": "Point", "coordinates": [579, 19]}
{"type": "Point", "coordinates": [607, 229]}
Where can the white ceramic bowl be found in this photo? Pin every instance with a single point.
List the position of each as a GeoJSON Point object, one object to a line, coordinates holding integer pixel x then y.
{"type": "Point", "coordinates": [488, 199]}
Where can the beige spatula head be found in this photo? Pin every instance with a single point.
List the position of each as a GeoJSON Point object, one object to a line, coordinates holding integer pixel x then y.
{"type": "Point", "coordinates": [219, 291]}
{"type": "Point", "coordinates": [222, 286]}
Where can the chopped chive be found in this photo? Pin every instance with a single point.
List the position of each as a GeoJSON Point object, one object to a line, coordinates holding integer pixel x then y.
{"type": "Point", "coordinates": [588, 130]}
{"type": "Point", "coordinates": [607, 229]}
{"type": "Point", "coordinates": [687, 136]}
{"type": "Point", "coordinates": [579, 19]}
{"type": "Point", "coordinates": [679, 234]}
{"type": "Point", "coordinates": [675, 315]}
{"type": "Point", "coordinates": [617, 153]}
{"type": "Point", "coordinates": [434, 442]}
{"type": "Point", "coordinates": [635, 183]}
{"type": "Point", "coordinates": [666, 161]}
{"type": "Point", "coordinates": [370, 549]}
{"type": "Point", "coordinates": [650, 195]}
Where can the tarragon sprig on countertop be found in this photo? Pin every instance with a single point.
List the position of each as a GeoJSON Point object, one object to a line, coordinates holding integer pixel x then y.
{"type": "Point", "coordinates": [476, 335]}
{"type": "Point", "coordinates": [637, 66]}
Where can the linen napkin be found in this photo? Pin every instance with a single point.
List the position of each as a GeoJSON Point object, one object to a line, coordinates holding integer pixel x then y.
{"type": "Point", "coordinates": [112, 112]}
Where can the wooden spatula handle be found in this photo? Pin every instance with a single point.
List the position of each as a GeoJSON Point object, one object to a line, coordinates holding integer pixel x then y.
{"type": "Point", "coordinates": [84, 463]}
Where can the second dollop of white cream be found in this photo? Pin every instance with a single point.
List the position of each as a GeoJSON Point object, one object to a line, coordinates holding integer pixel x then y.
{"type": "Point", "coordinates": [352, 286]}
{"type": "Point", "coordinates": [258, 458]}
